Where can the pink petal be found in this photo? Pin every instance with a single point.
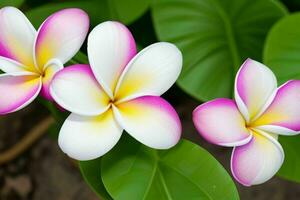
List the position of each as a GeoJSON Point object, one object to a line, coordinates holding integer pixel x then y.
{"type": "Point", "coordinates": [255, 87]}
{"type": "Point", "coordinates": [17, 91]}
{"type": "Point", "coordinates": [16, 36]}
{"type": "Point", "coordinates": [220, 122]}
{"type": "Point", "coordinates": [258, 161]}
{"type": "Point", "coordinates": [61, 36]}
{"type": "Point", "coordinates": [283, 115]}
{"type": "Point", "coordinates": [151, 120]}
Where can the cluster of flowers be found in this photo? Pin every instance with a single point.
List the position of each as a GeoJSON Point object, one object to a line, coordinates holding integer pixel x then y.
{"type": "Point", "coordinates": [120, 90]}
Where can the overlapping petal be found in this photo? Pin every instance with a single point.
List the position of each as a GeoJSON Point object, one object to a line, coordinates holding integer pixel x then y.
{"type": "Point", "coordinates": [86, 138]}
{"type": "Point", "coordinates": [220, 122]}
{"type": "Point", "coordinates": [13, 67]}
{"type": "Point", "coordinates": [52, 67]}
{"type": "Point", "coordinates": [16, 36]}
{"type": "Point", "coordinates": [258, 161]}
{"type": "Point", "coordinates": [110, 47]}
{"type": "Point", "coordinates": [255, 87]}
{"type": "Point", "coordinates": [151, 72]}
{"type": "Point", "coordinates": [61, 36]}
{"type": "Point", "coordinates": [76, 89]}
{"type": "Point", "coordinates": [151, 120]}
{"type": "Point", "coordinates": [283, 115]}
{"type": "Point", "coordinates": [17, 91]}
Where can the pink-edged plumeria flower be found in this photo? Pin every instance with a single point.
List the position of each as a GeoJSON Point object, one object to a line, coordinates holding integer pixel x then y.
{"type": "Point", "coordinates": [119, 90]}
{"type": "Point", "coordinates": [30, 58]}
{"type": "Point", "coordinates": [251, 124]}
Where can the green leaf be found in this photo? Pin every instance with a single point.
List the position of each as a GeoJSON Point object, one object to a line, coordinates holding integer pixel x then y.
{"type": "Point", "coordinates": [215, 36]}
{"type": "Point", "coordinates": [291, 167]}
{"type": "Point", "coordinates": [15, 3]}
{"type": "Point", "coordinates": [125, 11]}
{"type": "Point", "coordinates": [134, 171]}
{"type": "Point", "coordinates": [80, 58]}
{"type": "Point", "coordinates": [282, 48]}
{"type": "Point", "coordinates": [94, 8]}
{"type": "Point", "coordinates": [91, 171]}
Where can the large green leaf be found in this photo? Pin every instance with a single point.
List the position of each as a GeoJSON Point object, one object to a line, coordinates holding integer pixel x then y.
{"type": "Point", "coordinates": [125, 11]}
{"type": "Point", "coordinates": [134, 171]}
{"type": "Point", "coordinates": [15, 3]}
{"type": "Point", "coordinates": [91, 171]}
{"type": "Point", "coordinates": [95, 10]}
{"type": "Point", "coordinates": [282, 48]}
{"type": "Point", "coordinates": [215, 36]}
{"type": "Point", "coordinates": [291, 166]}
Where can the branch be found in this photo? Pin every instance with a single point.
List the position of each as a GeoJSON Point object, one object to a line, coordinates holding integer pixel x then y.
{"type": "Point", "coordinates": [31, 137]}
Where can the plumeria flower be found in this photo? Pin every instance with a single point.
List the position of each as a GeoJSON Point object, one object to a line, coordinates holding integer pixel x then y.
{"type": "Point", "coordinates": [119, 90]}
{"type": "Point", "coordinates": [30, 58]}
{"type": "Point", "coordinates": [251, 124]}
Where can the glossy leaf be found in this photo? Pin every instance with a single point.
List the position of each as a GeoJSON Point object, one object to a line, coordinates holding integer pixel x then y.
{"type": "Point", "coordinates": [91, 171]}
{"type": "Point", "coordinates": [125, 11]}
{"type": "Point", "coordinates": [215, 36]}
{"type": "Point", "coordinates": [15, 3]}
{"type": "Point", "coordinates": [95, 10]}
{"type": "Point", "coordinates": [134, 171]}
{"type": "Point", "coordinates": [291, 167]}
{"type": "Point", "coordinates": [282, 48]}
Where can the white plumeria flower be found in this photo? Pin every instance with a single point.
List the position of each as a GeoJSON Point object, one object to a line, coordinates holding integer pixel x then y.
{"type": "Point", "coordinates": [119, 90]}
{"type": "Point", "coordinates": [30, 58]}
{"type": "Point", "coordinates": [251, 124]}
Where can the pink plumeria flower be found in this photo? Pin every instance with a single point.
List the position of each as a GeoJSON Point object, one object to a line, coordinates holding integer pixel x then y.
{"type": "Point", "coordinates": [30, 58]}
{"type": "Point", "coordinates": [119, 90]}
{"type": "Point", "coordinates": [251, 124]}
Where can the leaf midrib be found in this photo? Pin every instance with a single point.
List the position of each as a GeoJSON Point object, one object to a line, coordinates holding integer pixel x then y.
{"type": "Point", "coordinates": [230, 36]}
{"type": "Point", "coordinates": [156, 170]}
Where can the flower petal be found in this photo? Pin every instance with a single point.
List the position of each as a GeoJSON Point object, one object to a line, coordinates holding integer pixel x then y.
{"type": "Point", "coordinates": [13, 67]}
{"type": "Point", "coordinates": [255, 88]}
{"type": "Point", "coordinates": [220, 122]}
{"type": "Point", "coordinates": [283, 115]}
{"type": "Point", "coordinates": [61, 36]}
{"type": "Point", "coordinates": [151, 72]}
{"type": "Point", "coordinates": [17, 91]}
{"type": "Point", "coordinates": [110, 47]}
{"type": "Point", "coordinates": [75, 89]}
{"type": "Point", "coordinates": [16, 36]}
{"type": "Point", "coordinates": [258, 161]}
{"type": "Point", "coordinates": [87, 138]}
{"type": "Point", "coordinates": [52, 67]}
{"type": "Point", "coordinates": [151, 120]}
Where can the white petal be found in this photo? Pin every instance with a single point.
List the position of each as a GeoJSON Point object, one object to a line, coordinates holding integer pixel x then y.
{"type": "Point", "coordinates": [151, 72]}
{"type": "Point", "coordinates": [87, 138]}
{"type": "Point", "coordinates": [110, 47]}
{"type": "Point", "coordinates": [75, 89]}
